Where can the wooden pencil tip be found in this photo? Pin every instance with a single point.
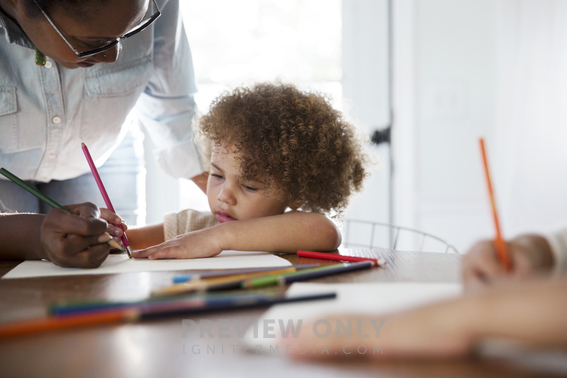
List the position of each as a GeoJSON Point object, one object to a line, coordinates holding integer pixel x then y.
{"type": "Point", "coordinates": [83, 145]}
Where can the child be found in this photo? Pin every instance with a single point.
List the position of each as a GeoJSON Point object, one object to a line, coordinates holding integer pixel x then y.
{"type": "Point", "coordinates": [271, 147]}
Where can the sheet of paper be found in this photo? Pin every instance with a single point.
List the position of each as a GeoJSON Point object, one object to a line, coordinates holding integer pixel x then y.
{"type": "Point", "coordinates": [122, 264]}
{"type": "Point", "coordinates": [352, 298]}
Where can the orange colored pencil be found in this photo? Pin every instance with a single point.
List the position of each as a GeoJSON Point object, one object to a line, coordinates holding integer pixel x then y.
{"type": "Point", "coordinates": [501, 247]}
{"type": "Point", "coordinates": [50, 324]}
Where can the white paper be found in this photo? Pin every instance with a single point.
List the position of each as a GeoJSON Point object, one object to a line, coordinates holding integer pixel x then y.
{"type": "Point", "coordinates": [352, 298]}
{"type": "Point", "coordinates": [122, 264]}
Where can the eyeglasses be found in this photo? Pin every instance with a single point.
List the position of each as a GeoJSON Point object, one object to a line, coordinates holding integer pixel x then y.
{"type": "Point", "coordinates": [109, 43]}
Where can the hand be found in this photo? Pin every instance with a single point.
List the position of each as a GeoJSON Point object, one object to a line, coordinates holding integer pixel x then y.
{"type": "Point", "coordinates": [116, 225]}
{"type": "Point", "coordinates": [75, 240]}
{"type": "Point", "coordinates": [196, 244]}
{"type": "Point", "coordinates": [436, 331]}
{"type": "Point", "coordinates": [529, 255]}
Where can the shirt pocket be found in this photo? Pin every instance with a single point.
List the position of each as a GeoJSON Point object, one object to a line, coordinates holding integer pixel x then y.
{"type": "Point", "coordinates": [110, 95]}
{"type": "Point", "coordinates": [9, 127]}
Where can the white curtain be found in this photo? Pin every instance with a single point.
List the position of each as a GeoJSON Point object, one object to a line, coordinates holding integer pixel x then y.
{"type": "Point", "coordinates": [530, 148]}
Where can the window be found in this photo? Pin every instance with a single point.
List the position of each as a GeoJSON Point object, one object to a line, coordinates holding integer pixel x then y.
{"type": "Point", "coordinates": [246, 41]}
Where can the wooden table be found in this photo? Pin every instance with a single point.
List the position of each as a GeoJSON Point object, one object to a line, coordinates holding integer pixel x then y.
{"type": "Point", "coordinates": [158, 349]}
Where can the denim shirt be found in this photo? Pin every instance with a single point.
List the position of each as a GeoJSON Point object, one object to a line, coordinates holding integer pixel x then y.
{"type": "Point", "coordinates": [46, 112]}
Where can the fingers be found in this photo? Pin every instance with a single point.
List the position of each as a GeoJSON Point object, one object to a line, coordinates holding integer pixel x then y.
{"type": "Point", "coordinates": [90, 258]}
{"type": "Point", "coordinates": [162, 251]}
{"type": "Point", "coordinates": [65, 223]}
{"type": "Point", "coordinates": [116, 221]}
{"type": "Point", "coordinates": [481, 264]}
{"type": "Point", "coordinates": [77, 239]}
{"type": "Point", "coordinates": [86, 209]}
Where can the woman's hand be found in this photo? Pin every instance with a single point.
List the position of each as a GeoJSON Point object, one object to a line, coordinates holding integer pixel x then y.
{"type": "Point", "coordinates": [75, 240]}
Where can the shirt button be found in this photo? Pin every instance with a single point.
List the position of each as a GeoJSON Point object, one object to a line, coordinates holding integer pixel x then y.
{"type": "Point", "coordinates": [56, 120]}
{"type": "Point", "coordinates": [52, 156]}
{"type": "Point", "coordinates": [48, 64]}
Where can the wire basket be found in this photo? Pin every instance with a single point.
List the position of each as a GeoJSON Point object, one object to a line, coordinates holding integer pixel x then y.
{"type": "Point", "coordinates": [367, 234]}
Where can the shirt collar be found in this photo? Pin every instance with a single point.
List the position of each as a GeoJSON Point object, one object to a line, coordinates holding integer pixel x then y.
{"type": "Point", "coordinates": [13, 33]}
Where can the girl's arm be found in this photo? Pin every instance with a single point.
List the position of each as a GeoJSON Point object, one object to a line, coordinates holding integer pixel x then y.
{"type": "Point", "coordinates": [288, 232]}
{"type": "Point", "coordinates": [145, 237]}
{"type": "Point", "coordinates": [531, 312]}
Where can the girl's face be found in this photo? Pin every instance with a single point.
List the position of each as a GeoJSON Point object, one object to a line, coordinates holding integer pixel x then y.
{"type": "Point", "coordinates": [113, 19]}
{"type": "Point", "coordinates": [229, 198]}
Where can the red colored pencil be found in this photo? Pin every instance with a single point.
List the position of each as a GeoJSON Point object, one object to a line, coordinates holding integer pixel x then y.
{"type": "Point", "coordinates": [105, 195]}
{"type": "Point", "coordinates": [501, 248]}
{"type": "Point", "coordinates": [332, 256]}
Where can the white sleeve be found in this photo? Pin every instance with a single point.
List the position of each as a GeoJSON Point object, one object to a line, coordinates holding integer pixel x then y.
{"type": "Point", "coordinates": [167, 107]}
{"type": "Point", "coordinates": [3, 208]}
{"type": "Point", "coordinates": [558, 243]}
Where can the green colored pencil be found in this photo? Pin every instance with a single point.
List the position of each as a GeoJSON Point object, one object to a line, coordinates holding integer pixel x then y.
{"type": "Point", "coordinates": [33, 190]}
{"type": "Point", "coordinates": [273, 280]}
{"type": "Point", "coordinates": [46, 199]}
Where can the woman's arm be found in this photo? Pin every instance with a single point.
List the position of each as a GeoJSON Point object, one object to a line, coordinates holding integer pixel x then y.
{"type": "Point", "coordinates": [78, 239]}
{"type": "Point", "coordinates": [279, 233]}
{"type": "Point", "coordinates": [20, 235]}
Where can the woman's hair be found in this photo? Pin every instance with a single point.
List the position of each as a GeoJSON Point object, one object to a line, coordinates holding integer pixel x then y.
{"type": "Point", "coordinates": [302, 147]}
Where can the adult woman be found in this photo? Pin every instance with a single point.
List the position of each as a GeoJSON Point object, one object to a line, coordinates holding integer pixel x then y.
{"type": "Point", "coordinates": [48, 110]}
{"type": "Point", "coordinates": [55, 94]}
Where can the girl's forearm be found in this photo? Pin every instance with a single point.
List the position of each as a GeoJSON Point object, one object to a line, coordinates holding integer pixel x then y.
{"type": "Point", "coordinates": [533, 311]}
{"type": "Point", "coordinates": [145, 237]}
{"type": "Point", "coordinates": [281, 233]}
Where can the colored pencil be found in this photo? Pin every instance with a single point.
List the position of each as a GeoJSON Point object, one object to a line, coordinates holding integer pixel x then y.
{"type": "Point", "coordinates": [328, 272]}
{"type": "Point", "coordinates": [155, 303]}
{"type": "Point", "coordinates": [105, 195]}
{"type": "Point", "coordinates": [306, 274]}
{"type": "Point", "coordinates": [499, 242]}
{"type": "Point", "coordinates": [333, 256]}
{"type": "Point", "coordinates": [16, 180]}
{"type": "Point", "coordinates": [150, 311]}
{"type": "Point", "coordinates": [205, 275]}
{"type": "Point", "coordinates": [217, 283]}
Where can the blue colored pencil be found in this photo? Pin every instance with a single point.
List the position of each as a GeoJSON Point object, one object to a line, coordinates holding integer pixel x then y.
{"type": "Point", "coordinates": [185, 304]}
{"type": "Point", "coordinates": [327, 272]}
{"type": "Point", "coordinates": [147, 311]}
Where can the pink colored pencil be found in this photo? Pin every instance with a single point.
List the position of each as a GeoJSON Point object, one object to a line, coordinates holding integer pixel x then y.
{"type": "Point", "coordinates": [332, 256]}
{"type": "Point", "coordinates": [105, 195]}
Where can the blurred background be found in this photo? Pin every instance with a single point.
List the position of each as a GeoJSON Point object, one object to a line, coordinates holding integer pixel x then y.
{"type": "Point", "coordinates": [437, 74]}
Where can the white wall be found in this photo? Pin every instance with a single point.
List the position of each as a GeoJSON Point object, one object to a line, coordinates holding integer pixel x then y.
{"type": "Point", "coordinates": [365, 89]}
{"type": "Point", "coordinates": [445, 100]}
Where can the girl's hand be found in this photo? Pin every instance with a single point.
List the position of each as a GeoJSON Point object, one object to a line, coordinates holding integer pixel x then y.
{"type": "Point", "coordinates": [529, 255]}
{"type": "Point", "coordinates": [116, 225]}
{"type": "Point", "coordinates": [196, 244]}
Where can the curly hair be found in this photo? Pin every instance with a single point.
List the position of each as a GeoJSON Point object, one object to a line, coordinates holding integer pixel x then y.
{"type": "Point", "coordinates": [302, 147]}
